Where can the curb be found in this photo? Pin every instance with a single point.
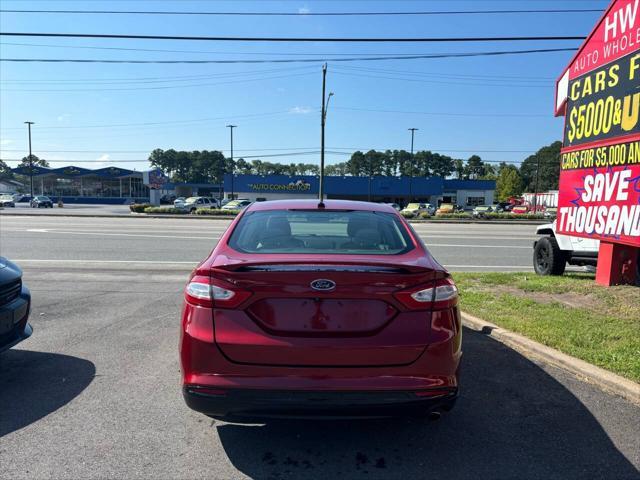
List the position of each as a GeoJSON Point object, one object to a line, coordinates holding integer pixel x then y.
{"type": "Point", "coordinates": [600, 377]}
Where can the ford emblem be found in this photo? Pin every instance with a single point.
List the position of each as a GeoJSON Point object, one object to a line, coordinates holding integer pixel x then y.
{"type": "Point", "coordinates": [323, 285]}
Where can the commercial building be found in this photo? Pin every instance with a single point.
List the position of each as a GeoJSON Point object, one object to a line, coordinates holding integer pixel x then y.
{"type": "Point", "coordinates": [81, 185]}
{"type": "Point", "coordinates": [401, 190]}
{"type": "Point", "coordinates": [113, 185]}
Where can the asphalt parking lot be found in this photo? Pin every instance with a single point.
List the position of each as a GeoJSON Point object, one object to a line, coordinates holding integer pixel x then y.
{"type": "Point", "coordinates": [95, 392]}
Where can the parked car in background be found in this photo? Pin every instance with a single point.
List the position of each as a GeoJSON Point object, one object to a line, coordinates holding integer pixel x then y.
{"type": "Point", "coordinates": [416, 209]}
{"type": "Point", "coordinates": [21, 198]}
{"type": "Point", "coordinates": [395, 206]}
{"type": "Point", "coordinates": [192, 204]}
{"type": "Point", "coordinates": [7, 201]}
{"type": "Point", "coordinates": [41, 201]}
{"type": "Point", "coordinates": [520, 210]}
{"type": "Point", "coordinates": [551, 213]}
{"type": "Point", "coordinates": [179, 202]}
{"type": "Point", "coordinates": [482, 210]}
{"type": "Point", "coordinates": [239, 204]}
{"type": "Point", "coordinates": [167, 199]}
{"type": "Point", "coordinates": [308, 311]}
{"type": "Point", "coordinates": [446, 209]}
{"type": "Point", "coordinates": [15, 302]}
{"type": "Point", "coordinates": [503, 207]}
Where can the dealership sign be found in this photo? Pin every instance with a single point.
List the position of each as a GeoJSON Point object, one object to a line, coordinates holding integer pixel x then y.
{"type": "Point", "coordinates": [599, 96]}
{"type": "Point", "coordinates": [295, 186]}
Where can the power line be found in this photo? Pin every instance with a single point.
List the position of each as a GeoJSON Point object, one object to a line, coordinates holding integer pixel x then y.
{"type": "Point", "coordinates": [296, 39]}
{"type": "Point", "coordinates": [447, 114]}
{"type": "Point", "coordinates": [157, 80]}
{"type": "Point", "coordinates": [448, 75]}
{"type": "Point", "coordinates": [169, 122]}
{"type": "Point", "coordinates": [295, 60]}
{"type": "Point", "coordinates": [158, 87]}
{"type": "Point", "coordinates": [306, 14]}
{"type": "Point", "coordinates": [334, 149]}
{"type": "Point", "coordinates": [420, 80]}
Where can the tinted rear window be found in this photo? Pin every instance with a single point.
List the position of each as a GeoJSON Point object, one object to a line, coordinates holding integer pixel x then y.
{"type": "Point", "coordinates": [322, 232]}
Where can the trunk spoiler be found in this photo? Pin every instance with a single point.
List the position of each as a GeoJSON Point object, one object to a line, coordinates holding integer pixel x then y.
{"type": "Point", "coordinates": [409, 265]}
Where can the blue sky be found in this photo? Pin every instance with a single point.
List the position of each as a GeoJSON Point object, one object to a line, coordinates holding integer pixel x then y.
{"type": "Point", "coordinates": [498, 107]}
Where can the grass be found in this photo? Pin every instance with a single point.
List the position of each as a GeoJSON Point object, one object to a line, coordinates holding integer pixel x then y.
{"type": "Point", "coordinates": [570, 313]}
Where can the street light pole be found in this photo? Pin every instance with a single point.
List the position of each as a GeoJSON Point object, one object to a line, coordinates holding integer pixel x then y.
{"type": "Point", "coordinates": [30, 158]}
{"type": "Point", "coordinates": [413, 133]}
{"type": "Point", "coordinates": [231, 127]}
{"type": "Point", "coordinates": [323, 122]}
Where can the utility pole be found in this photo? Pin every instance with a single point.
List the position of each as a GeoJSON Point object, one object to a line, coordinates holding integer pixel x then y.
{"type": "Point", "coordinates": [231, 127]}
{"type": "Point", "coordinates": [413, 133]}
{"type": "Point", "coordinates": [30, 158]}
{"type": "Point", "coordinates": [535, 193]}
{"type": "Point", "coordinates": [323, 122]}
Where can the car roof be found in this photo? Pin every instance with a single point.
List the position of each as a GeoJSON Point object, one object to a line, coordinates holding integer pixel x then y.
{"type": "Point", "coordinates": [313, 205]}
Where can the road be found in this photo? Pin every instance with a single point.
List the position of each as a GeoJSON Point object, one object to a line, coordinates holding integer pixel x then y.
{"type": "Point", "coordinates": [95, 393]}
{"type": "Point", "coordinates": [185, 241]}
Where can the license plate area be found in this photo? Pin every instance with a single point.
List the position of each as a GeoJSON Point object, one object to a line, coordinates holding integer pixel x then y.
{"type": "Point", "coordinates": [320, 317]}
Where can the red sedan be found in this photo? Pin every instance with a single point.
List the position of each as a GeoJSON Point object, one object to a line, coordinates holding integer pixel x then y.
{"type": "Point", "coordinates": [308, 310]}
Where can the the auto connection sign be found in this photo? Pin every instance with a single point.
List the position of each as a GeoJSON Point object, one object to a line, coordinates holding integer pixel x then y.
{"type": "Point", "coordinates": [599, 95]}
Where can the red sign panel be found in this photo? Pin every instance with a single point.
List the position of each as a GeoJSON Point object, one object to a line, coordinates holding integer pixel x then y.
{"type": "Point", "coordinates": [600, 170]}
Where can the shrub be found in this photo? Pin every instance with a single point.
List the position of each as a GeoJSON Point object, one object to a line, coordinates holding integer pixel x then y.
{"type": "Point", "coordinates": [165, 210]}
{"type": "Point", "coordinates": [460, 215]}
{"type": "Point", "coordinates": [513, 216]}
{"type": "Point", "coordinates": [407, 214]}
{"type": "Point", "coordinates": [139, 207]}
{"type": "Point", "coordinates": [212, 211]}
{"type": "Point", "coordinates": [424, 215]}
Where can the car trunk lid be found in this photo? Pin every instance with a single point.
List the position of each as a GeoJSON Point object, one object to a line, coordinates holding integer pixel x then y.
{"type": "Point", "coordinates": [326, 313]}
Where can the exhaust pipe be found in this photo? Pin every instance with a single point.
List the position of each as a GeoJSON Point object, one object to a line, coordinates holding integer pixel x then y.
{"type": "Point", "coordinates": [433, 416]}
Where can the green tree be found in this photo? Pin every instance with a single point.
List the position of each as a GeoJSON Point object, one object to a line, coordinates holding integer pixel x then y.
{"type": "Point", "coordinates": [475, 168]}
{"type": "Point", "coordinates": [509, 182]}
{"type": "Point", "coordinates": [549, 159]}
{"type": "Point", "coordinates": [357, 164]}
{"type": "Point", "coordinates": [458, 168]}
{"type": "Point", "coordinates": [37, 162]}
{"type": "Point", "coordinates": [403, 160]}
{"type": "Point", "coordinates": [336, 169]}
{"type": "Point", "coordinates": [442, 165]}
{"type": "Point", "coordinates": [5, 171]}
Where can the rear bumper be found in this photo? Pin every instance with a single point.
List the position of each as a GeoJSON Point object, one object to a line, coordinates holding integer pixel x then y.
{"type": "Point", "coordinates": [247, 404]}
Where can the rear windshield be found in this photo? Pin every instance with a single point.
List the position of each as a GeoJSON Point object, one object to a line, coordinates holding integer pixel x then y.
{"type": "Point", "coordinates": [322, 232]}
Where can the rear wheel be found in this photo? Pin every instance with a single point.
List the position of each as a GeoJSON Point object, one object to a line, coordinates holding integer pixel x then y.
{"type": "Point", "coordinates": [548, 259]}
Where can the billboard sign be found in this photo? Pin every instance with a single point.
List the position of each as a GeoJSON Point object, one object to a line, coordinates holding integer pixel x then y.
{"type": "Point", "coordinates": [599, 94]}
{"type": "Point", "coordinates": [155, 179]}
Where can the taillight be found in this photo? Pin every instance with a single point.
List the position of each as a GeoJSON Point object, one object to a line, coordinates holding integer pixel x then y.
{"type": "Point", "coordinates": [440, 295]}
{"type": "Point", "coordinates": [208, 292]}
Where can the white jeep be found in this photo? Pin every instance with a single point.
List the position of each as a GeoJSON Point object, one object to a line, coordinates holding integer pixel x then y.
{"type": "Point", "coordinates": [553, 251]}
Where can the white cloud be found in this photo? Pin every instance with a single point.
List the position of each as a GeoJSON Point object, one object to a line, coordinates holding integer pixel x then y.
{"type": "Point", "coordinates": [297, 110]}
{"type": "Point", "coordinates": [304, 10]}
{"type": "Point", "coordinates": [63, 117]}
{"type": "Point", "coordinates": [103, 160]}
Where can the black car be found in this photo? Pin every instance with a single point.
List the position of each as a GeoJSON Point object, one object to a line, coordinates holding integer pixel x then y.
{"type": "Point", "coordinates": [15, 303]}
{"type": "Point", "coordinates": [41, 201]}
